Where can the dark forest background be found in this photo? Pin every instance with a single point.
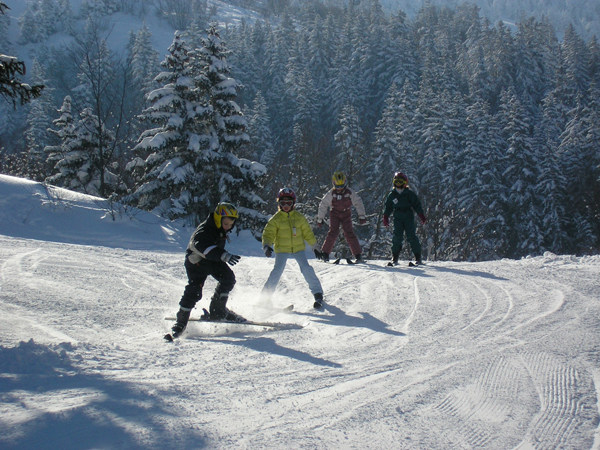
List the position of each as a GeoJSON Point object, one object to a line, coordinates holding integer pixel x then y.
{"type": "Point", "coordinates": [497, 128]}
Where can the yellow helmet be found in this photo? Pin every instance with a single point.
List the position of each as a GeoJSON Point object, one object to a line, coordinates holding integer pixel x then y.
{"type": "Point", "coordinates": [224, 210]}
{"type": "Point", "coordinates": [339, 180]}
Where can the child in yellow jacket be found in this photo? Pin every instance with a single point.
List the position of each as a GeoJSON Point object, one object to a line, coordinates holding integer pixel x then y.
{"type": "Point", "coordinates": [285, 235]}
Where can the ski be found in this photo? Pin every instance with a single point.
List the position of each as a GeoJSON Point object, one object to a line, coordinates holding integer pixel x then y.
{"type": "Point", "coordinates": [348, 261]}
{"type": "Point", "coordinates": [410, 264]}
{"type": "Point", "coordinates": [278, 325]}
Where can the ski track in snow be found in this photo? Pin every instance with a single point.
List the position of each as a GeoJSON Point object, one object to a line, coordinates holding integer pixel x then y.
{"type": "Point", "coordinates": [492, 355]}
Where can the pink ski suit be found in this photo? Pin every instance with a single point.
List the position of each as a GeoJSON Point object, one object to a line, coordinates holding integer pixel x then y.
{"type": "Point", "coordinates": [340, 204]}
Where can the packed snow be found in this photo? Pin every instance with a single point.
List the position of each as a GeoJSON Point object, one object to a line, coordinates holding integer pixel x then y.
{"type": "Point", "coordinates": [493, 355]}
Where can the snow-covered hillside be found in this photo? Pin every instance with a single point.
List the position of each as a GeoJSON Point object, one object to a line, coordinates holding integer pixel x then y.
{"type": "Point", "coordinates": [496, 355]}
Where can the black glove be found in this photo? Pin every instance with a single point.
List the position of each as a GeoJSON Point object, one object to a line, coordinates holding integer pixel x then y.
{"type": "Point", "coordinates": [318, 254]}
{"type": "Point", "coordinates": [230, 259]}
{"type": "Point", "coordinates": [268, 251]}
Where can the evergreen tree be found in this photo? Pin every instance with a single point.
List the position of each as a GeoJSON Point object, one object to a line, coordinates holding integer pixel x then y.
{"type": "Point", "coordinates": [78, 163]}
{"type": "Point", "coordinates": [500, 61]}
{"type": "Point", "coordinates": [30, 32]}
{"type": "Point", "coordinates": [480, 226]}
{"type": "Point", "coordinates": [164, 165]}
{"type": "Point", "coordinates": [536, 48]}
{"type": "Point", "coordinates": [65, 16]}
{"type": "Point", "coordinates": [578, 151]}
{"type": "Point", "coordinates": [190, 163]}
{"type": "Point", "coordinates": [342, 89]}
{"type": "Point", "coordinates": [11, 87]}
{"type": "Point", "coordinates": [5, 43]}
{"type": "Point", "coordinates": [279, 47]}
{"type": "Point", "coordinates": [385, 161]}
{"type": "Point", "coordinates": [521, 177]}
{"type": "Point", "coordinates": [594, 63]}
{"type": "Point", "coordinates": [48, 19]}
{"type": "Point", "coordinates": [38, 122]}
{"type": "Point", "coordinates": [260, 146]}
{"type": "Point", "coordinates": [576, 64]}
{"type": "Point", "coordinates": [224, 133]}
{"type": "Point", "coordinates": [103, 88]}
{"type": "Point", "coordinates": [144, 61]}
{"type": "Point", "coordinates": [552, 178]}
{"type": "Point", "coordinates": [350, 145]}
{"type": "Point", "coordinates": [296, 169]}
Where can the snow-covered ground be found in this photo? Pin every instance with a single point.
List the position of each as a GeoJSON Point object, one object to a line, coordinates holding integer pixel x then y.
{"type": "Point", "coordinates": [493, 355]}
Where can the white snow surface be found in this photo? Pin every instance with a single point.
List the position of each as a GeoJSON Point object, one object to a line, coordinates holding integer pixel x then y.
{"type": "Point", "coordinates": [490, 355]}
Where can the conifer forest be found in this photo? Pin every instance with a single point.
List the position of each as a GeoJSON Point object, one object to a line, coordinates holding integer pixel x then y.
{"type": "Point", "coordinates": [497, 127]}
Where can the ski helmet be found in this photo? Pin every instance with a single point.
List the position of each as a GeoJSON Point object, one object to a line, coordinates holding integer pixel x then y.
{"type": "Point", "coordinates": [286, 193]}
{"type": "Point", "coordinates": [400, 180]}
{"type": "Point", "coordinates": [339, 180]}
{"type": "Point", "coordinates": [224, 210]}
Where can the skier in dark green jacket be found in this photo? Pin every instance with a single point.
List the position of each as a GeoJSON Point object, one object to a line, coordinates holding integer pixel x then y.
{"type": "Point", "coordinates": [403, 203]}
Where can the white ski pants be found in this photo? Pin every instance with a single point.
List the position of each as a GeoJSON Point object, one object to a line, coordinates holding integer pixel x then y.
{"type": "Point", "coordinates": [307, 271]}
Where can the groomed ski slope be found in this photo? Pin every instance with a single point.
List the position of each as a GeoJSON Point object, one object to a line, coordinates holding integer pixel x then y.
{"type": "Point", "coordinates": [494, 355]}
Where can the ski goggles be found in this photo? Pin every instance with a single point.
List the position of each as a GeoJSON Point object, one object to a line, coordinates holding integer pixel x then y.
{"type": "Point", "coordinates": [286, 203]}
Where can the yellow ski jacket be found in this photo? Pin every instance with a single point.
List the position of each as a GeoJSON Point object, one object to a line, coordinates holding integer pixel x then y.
{"type": "Point", "coordinates": [286, 232]}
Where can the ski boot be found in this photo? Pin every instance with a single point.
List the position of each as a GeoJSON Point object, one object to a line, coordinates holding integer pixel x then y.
{"type": "Point", "coordinates": [182, 320]}
{"type": "Point", "coordinates": [318, 304]}
{"type": "Point", "coordinates": [418, 259]}
{"type": "Point", "coordinates": [359, 259]}
{"type": "Point", "coordinates": [218, 311]}
{"type": "Point", "coordinates": [324, 257]}
{"type": "Point", "coordinates": [394, 261]}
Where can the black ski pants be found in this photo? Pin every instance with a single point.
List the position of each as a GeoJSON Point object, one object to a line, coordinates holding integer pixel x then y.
{"type": "Point", "coordinates": [197, 275]}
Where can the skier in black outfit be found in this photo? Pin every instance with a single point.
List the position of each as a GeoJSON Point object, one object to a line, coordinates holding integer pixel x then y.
{"type": "Point", "coordinates": [206, 255]}
{"type": "Point", "coordinates": [403, 203]}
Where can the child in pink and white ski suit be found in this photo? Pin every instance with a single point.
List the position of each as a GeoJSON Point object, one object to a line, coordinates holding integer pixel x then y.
{"type": "Point", "coordinates": [339, 201]}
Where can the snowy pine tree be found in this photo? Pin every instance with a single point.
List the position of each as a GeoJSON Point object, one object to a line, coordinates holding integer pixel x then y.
{"type": "Point", "coordinates": [520, 177]}
{"type": "Point", "coordinates": [224, 130]}
{"type": "Point", "coordinates": [38, 122]}
{"type": "Point", "coordinates": [78, 162]}
{"type": "Point", "coordinates": [260, 146]}
{"type": "Point", "coordinates": [350, 144]}
{"type": "Point", "coordinates": [144, 61]}
{"type": "Point", "coordinates": [480, 227]}
{"type": "Point", "coordinates": [164, 164]}
{"type": "Point", "coordinates": [187, 162]}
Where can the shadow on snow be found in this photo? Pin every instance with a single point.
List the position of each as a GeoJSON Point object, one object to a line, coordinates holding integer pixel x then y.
{"type": "Point", "coordinates": [49, 403]}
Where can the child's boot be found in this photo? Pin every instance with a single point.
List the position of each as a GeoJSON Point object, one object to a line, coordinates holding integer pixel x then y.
{"type": "Point", "coordinates": [183, 315]}
{"type": "Point", "coordinates": [218, 310]}
{"type": "Point", "coordinates": [318, 304]}
{"type": "Point", "coordinates": [418, 259]}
